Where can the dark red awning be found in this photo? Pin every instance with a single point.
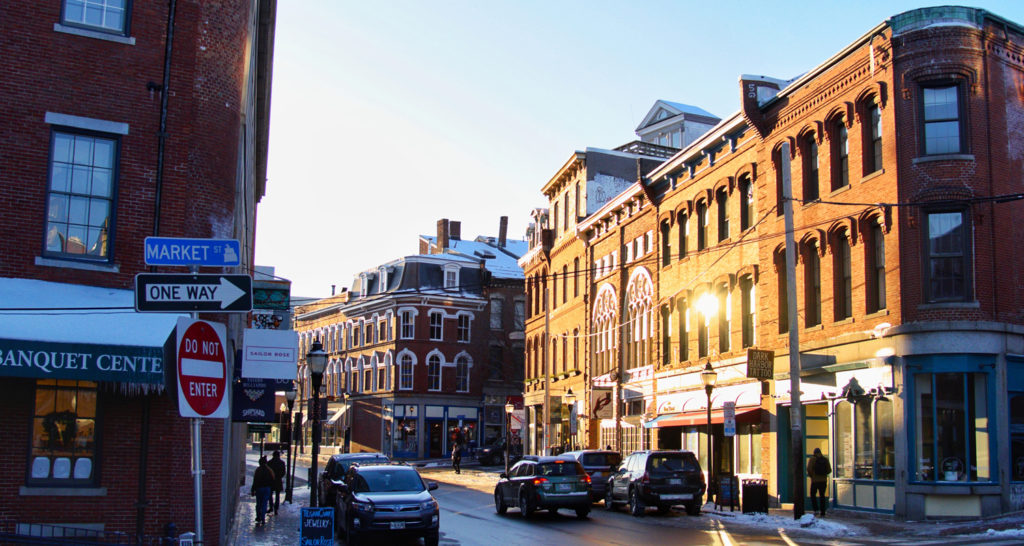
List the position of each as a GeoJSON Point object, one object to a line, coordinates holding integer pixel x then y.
{"type": "Point", "coordinates": [700, 417]}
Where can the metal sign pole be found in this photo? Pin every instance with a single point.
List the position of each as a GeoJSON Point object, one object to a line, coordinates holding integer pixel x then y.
{"type": "Point", "coordinates": [197, 460]}
{"type": "Point", "coordinates": [795, 413]}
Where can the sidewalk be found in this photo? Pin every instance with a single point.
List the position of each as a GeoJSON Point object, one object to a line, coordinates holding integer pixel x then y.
{"type": "Point", "coordinates": [280, 529]}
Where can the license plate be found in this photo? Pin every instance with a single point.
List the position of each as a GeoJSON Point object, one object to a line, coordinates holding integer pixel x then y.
{"type": "Point", "coordinates": [674, 481]}
{"type": "Point", "coordinates": [684, 496]}
{"type": "Point", "coordinates": [398, 525]}
{"type": "Point", "coordinates": [564, 487]}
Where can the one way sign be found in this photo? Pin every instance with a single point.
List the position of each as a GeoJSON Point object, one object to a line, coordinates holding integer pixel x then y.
{"type": "Point", "coordinates": [212, 293]}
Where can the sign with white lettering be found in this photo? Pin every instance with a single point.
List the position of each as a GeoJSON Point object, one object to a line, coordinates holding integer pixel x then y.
{"type": "Point", "coordinates": [81, 361]}
{"type": "Point", "coordinates": [202, 369]}
{"type": "Point", "coordinates": [158, 292]}
{"type": "Point", "coordinates": [189, 252]}
{"type": "Point", "coordinates": [270, 354]}
{"type": "Point", "coordinates": [317, 527]}
{"type": "Point", "coordinates": [729, 419]}
{"type": "Point", "coordinates": [760, 364]}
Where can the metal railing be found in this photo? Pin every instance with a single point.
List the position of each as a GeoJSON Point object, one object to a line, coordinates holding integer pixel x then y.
{"type": "Point", "coordinates": [41, 533]}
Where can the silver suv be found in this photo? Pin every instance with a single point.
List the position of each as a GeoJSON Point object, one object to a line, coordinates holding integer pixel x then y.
{"type": "Point", "coordinates": [387, 500]}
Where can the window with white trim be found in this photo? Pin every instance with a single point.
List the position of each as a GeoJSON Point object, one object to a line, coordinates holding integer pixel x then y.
{"type": "Point", "coordinates": [407, 328]}
{"type": "Point", "coordinates": [451, 277]}
{"type": "Point", "coordinates": [463, 329]}
{"type": "Point", "coordinates": [434, 373]}
{"type": "Point", "coordinates": [462, 374]}
{"type": "Point", "coordinates": [102, 15]}
{"type": "Point", "coordinates": [947, 255]}
{"type": "Point", "coordinates": [405, 373]}
{"type": "Point", "coordinates": [436, 325]}
{"type": "Point", "coordinates": [64, 434]}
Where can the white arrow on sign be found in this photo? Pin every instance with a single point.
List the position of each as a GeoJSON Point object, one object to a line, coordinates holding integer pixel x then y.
{"type": "Point", "coordinates": [226, 293]}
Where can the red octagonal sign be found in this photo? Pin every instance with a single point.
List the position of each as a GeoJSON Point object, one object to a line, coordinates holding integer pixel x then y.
{"type": "Point", "coordinates": [202, 369]}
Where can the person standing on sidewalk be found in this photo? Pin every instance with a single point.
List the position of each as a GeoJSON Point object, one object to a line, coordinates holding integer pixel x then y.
{"type": "Point", "coordinates": [277, 466]}
{"type": "Point", "coordinates": [818, 470]}
{"type": "Point", "coordinates": [457, 457]}
{"type": "Point", "coordinates": [262, 482]}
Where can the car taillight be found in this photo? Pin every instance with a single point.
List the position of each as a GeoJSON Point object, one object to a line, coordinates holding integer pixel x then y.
{"type": "Point", "coordinates": [586, 478]}
{"type": "Point", "coordinates": [538, 481]}
{"type": "Point", "coordinates": [645, 479]}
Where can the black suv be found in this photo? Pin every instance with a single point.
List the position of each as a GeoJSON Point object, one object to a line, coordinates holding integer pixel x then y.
{"type": "Point", "coordinates": [599, 464]}
{"type": "Point", "coordinates": [657, 478]}
{"type": "Point", "coordinates": [334, 473]}
{"type": "Point", "coordinates": [387, 500]}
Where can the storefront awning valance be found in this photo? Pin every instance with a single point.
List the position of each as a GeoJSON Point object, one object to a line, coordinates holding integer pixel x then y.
{"type": "Point", "coordinates": [64, 331]}
{"type": "Point", "coordinates": [697, 418]}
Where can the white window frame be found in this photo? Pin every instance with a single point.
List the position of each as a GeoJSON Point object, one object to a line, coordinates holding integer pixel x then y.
{"type": "Point", "coordinates": [464, 332]}
{"type": "Point", "coordinates": [439, 326]}
{"type": "Point", "coordinates": [451, 277]}
{"type": "Point", "coordinates": [431, 377]}
{"type": "Point", "coordinates": [462, 381]}
{"type": "Point", "coordinates": [406, 361]}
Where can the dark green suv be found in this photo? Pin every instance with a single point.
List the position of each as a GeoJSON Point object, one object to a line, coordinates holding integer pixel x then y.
{"type": "Point", "coordinates": [657, 478]}
{"type": "Point", "coordinates": [547, 483]}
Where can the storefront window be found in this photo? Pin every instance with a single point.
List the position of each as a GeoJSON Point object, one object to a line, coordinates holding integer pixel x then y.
{"type": "Point", "coordinates": [843, 464]}
{"type": "Point", "coordinates": [885, 444]}
{"type": "Point", "coordinates": [865, 447]}
{"type": "Point", "coordinates": [865, 456]}
{"type": "Point", "coordinates": [952, 440]}
{"type": "Point", "coordinates": [64, 433]}
{"type": "Point", "coordinates": [748, 459]}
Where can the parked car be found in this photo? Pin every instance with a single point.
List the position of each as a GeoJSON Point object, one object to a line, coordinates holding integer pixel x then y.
{"type": "Point", "coordinates": [657, 478]}
{"type": "Point", "coordinates": [494, 453]}
{"type": "Point", "coordinates": [547, 483]}
{"type": "Point", "coordinates": [334, 473]}
{"type": "Point", "coordinates": [386, 501]}
{"type": "Point", "coordinates": [599, 464]}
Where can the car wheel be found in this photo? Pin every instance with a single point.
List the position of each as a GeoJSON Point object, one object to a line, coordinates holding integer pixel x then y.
{"type": "Point", "coordinates": [693, 508]}
{"type": "Point", "coordinates": [609, 504]}
{"type": "Point", "coordinates": [431, 539]}
{"type": "Point", "coordinates": [636, 506]}
{"type": "Point", "coordinates": [582, 513]}
{"type": "Point", "coordinates": [524, 505]}
{"type": "Point", "coordinates": [499, 503]}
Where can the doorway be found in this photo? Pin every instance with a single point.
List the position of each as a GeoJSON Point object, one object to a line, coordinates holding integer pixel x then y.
{"type": "Point", "coordinates": [435, 438]}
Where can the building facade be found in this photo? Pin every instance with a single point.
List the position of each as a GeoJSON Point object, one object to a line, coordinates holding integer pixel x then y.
{"type": "Point", "coordinates": [423, 349]}
{"type": "Point", "coordinates": [143, 119]}
{"type": "Point", "coordinates": [900, 152]}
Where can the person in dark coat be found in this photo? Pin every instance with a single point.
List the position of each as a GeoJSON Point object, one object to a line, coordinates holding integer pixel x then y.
{"type": "Point", "coordinates": [277, 466]}
{"type": "Point", "coordinates": [262, 483]}
{"type": "Point", "coordinates": [818, 469]}
{"type": "Point", "coordinates": [457, 457]}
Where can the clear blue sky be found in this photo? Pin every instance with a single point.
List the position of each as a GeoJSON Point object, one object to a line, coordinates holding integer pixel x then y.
{"type": "Point", "coordinates": [387, 116]}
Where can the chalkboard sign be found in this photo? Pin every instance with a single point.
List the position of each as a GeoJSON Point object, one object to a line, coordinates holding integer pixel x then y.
{"type": "Point", "coordinates": [728, 491]}
{"type": "Point", "coordinates": [317, 527]}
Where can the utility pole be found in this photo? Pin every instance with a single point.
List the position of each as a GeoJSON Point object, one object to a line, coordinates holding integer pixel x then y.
{"type": "Point", "coordinates": [795, 413]}
{"type": "Point", "coordinates": [547, 369]}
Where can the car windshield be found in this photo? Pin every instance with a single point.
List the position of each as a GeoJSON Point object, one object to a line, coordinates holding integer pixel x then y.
{"type": "Point", "coordinates": [558, 468]}
{"type": "Point", "coordinates": [672, 462]}
{"type": "Point", "coordinates": [391, 479]}
{"type": "Point", "coordinates": [601, 459]}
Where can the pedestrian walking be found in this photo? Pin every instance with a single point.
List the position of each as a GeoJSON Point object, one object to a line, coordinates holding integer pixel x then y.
{"type": "Point", "coordinates": [262, 483]}
{"type": "Point", "coordinates": [457, 457]}
{"type": "Point", "coordinates": [277, 466]}
{"type": "Point", "coordinates": [818, 469]}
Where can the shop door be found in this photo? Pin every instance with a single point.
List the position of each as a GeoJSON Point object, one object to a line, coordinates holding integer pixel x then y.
{"type": "Point", "coordinates": [435, 438]}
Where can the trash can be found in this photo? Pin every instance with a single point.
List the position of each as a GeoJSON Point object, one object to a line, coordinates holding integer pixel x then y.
{"type": "Point", "coordinates": [755, 495]}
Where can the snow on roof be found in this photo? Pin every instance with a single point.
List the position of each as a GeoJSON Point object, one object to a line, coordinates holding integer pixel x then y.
{"type": "Point", "coordinates": [501, 262]}
{"type": "Point", "coordinates": [689, 109]}
{"type": "Point", "coordinates": [34, 310]}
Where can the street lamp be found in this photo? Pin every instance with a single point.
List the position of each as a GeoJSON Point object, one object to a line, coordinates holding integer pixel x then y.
{"type": "Point", "coordinates": [509, 408]}
{"type": "Point", "coordinates": [290, 397]}
{"type": "Point", "coordinates": [708, 376]}
{"type": "Point", "coordinates": [317, 360]}
{"type": "Point", "coordinates": [570, 400]}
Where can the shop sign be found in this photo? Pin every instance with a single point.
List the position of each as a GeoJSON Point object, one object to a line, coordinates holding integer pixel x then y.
{"type": "Point", "coordinates": [601, 404]}
{"type": "Point", "coordinates": [760, 364]}
{"type": "Point", "coordinates": [317, 527]}
{"type": "Point", "coordinates": [81, 361]}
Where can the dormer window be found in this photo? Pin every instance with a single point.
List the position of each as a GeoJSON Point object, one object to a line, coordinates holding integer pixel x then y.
{"type": "Point", "coordinates": [451, 277]}
{"type": "Point", "coordinates": [382, 277]}
{"type": "Point", "coordinates": [364, 284]}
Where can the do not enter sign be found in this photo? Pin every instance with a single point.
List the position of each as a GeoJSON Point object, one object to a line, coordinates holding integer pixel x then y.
{"type": "Point", "coordinates": [202, 369]}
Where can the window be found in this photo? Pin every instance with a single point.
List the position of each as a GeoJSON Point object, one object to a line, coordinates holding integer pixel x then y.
{"type": "Point", "coordinates": [1015, 397]}
{"type": "Point", "coordinates": [367, 379]}
{"type": "Point", "coordinates": [724, 319]}
{"type": "Point", "coordinates": [434, 373]}
{"type": "Point", "coordinates": [382, 277]}
{"type": "Point", "coordinates": [683, 232]}
{"type": "Point", "coordinates": [405, 373]}
{"type": "Point", "coordinates": [519, 317]}
{"type": "Point", "coordinates": [104, 15]}
{"type": "Point", "coordinates": [810, 168]}
{"type": "Point", "coordinates": [748, 209]}
{"type": "Point", "coordinates": [749, 440]}
{"type": "Point", "coordinates": [369, 334]}
{"type": "Point", "coordinates": [463, 329]}
{"type": "Point", "coordinates": [436, 325]}
{"type": "Point", "coordinates": [783, 291]}
{"type": "Point", "coordinates": [666, 335]}
{"type": "Point", "coordinates": [947, 255]}
{"type": "Point", "coordinates": [575, 277]}
{"type": "Point", "coordinates": [462, 374]}
{"type": "Point", "coordinates": [380, 378]}
{"type": "Point", "coordinates": [812, 285]}
{"type": "Point", "coordinates": [874, 249]}
{"type": "Point", "coordinates": [554, 290]}
{"type": "Point", "coordinates": [942, 120]}
{"type": "Point", "coordinates": [749, 311]}
{"type": "Point", "coordinates": [840, 155]}
{"type": "Point", "coordinates": [683, 315]}
{"type": "Point", "coordinates": [865, 424]}
{"type": "Point", "coordinates": [64, 433]}
{"type": "Point", "coordinates": [702, 225]}
{"type": "Point", "coordinates": [952, 427]}
{"type": "Point", "coordinates": [407, 328]}
{"type": "Point", "coordinates": [496, 311]}
{"type": "Point", "coordinates": [554, 219]}
{"type": "Point", "coordinates": [722, 198]}
{"type": "Point", "coordinates": [666, 244]}
{"type": "Point", "coordinates": [79, 215]}
{"type": "Point", "coordinates": [842, 280]}
{"type": "Point", "coordinates": [703, 333]}
{"type": "Point", "coordinates": [872, 138]}
{"type": "Point", "coordinates": [576, 198]}
{"type": "Point", "coordinates": [780, 161]}
{"type": "Point", "coordinates": [565, 211]}
{"type": "Point", "coordinates": [565, 283]}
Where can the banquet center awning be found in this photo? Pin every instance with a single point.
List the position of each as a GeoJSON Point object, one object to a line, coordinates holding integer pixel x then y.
{"type": "Point", "coordinates": [700, 417]}
{"type": "Point", "coordinates": [54, 330]}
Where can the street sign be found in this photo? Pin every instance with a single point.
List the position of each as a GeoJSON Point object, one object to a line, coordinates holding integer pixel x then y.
{"type": "Point", "coordinates": [213, 293]}
{"type": "Point", "coordinates": [761, 364]}
{"type": "Point", "coordinates": [258, 428]}
{"type": "Point", "coordinates": [729, 419]}
{"type": "Point", "coordinates": [192, 252]}
{"type": "Point", "coordinates": [202, 369]}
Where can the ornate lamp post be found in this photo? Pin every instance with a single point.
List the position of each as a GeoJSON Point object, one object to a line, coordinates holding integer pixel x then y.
{"type": "Point", "coordinates": [570, 400]}
{"type": "Point", "coordinates": [290, 397]}
{"type": "Point", "coordinates": [509, 408]}
{"type": "Point", "coordinates": [317, 360]}
{"type": "Point", "coordinates": [708, 376]}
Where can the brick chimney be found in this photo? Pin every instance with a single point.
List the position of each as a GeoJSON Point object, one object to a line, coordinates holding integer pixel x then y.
{"type": "Point", "coordinates": [442, 235]}
{"type": "Point", "coordinates": [502, 231]}
{"type": "Point", "coordinates": [455, 230]}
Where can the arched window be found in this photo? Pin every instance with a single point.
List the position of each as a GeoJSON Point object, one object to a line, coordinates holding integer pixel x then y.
{"type": "Point", "coordinates": [666, 244]}
{"type": "Point", "coordinates": [782, 289]}
{"type": "Point", "coordinates": [840, 154]}
{"type": "Point", "coordinates": [722, 198]}
{"type": "Point", "coordinates": [871, 135]}
{"type": "Point", "coordinates": [605, 327]}
{"type": "Point", "coordinates": [724, 318]}
{"type": "Point", "coordinates": [749, 311]}
{"type": "Point", "coordinates": [812, 284]}
{"type": "Point", "coordinates": [565, 283]}
{"type": "Point", "coordinates": [809, 150]}
{"type": "Point", "coordinates": [462, 374]}
{"type": "Point", "coordinates": [874, 264]}
{"type": "Point", "coordinates": [702, 225]}
{"type": "Point", "coordinates": [842, 281]}
{"type": "Point", "coordinates": [434, 373]}
{"type": "Point", "coordinates": [748, 206]}
{"type": "Point", "coordinates": [683, 231]}
{"type": "Point", "coordinates": [640, 322]}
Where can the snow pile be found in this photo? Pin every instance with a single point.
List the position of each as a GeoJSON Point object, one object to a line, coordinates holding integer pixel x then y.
{"type": "Point", "coordinates": [807, 523]}
{"type": "Point", "coordinates": [1004, 533]}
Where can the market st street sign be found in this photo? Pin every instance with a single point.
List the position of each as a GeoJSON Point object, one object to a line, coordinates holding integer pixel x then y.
{"type": "Point", "coordinates": [158, 292]}
{"type": "Point", "coordinates": [192, 252]}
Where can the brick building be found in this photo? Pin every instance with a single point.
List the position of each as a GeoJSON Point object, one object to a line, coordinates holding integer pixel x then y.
{"type": "Point", "coordinates": [422, 350]}
{"type": "Point", "coordinates": [901, 153]}
{"type": "Point", "coordinates": [120, 120]}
